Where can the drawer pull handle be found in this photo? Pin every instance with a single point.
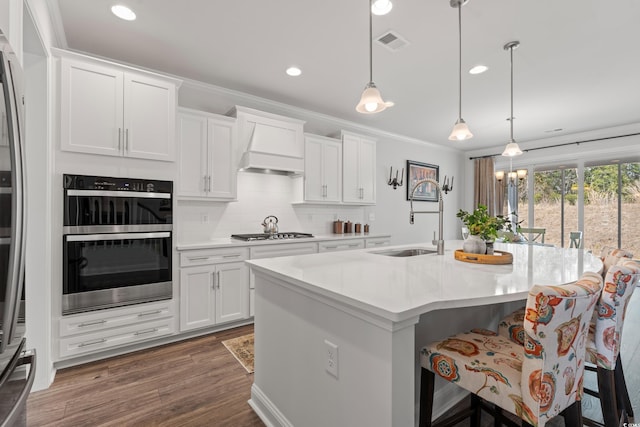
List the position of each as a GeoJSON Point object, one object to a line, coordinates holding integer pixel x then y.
{"type": "Point", "coordinates": [94, 342]}
{"type": "Point", "coordinates": [197, 258]}
{"type": "Point", "coordinates": [94, 323]}
{"type": "Point", "coordinates": [354, 245]}
{"type": "Point", "coordinates": [231, 256]}
{"type": "Point", "coordinates": [146, 331]}
{"type": "Point", "coordinates": [331, 247]}
{"type": "Point", "coordinates": [149, 313]}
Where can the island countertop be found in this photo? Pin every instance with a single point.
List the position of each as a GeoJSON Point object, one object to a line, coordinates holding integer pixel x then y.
{"type": "Point", "coordinates": [398, 288]}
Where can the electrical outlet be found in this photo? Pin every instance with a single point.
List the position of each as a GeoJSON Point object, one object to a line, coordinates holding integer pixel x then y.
{"type": "Point", "coordinates": [205, 218]}
{"type": "Point", "coordinates": [372, 216]}
{"type": "Point", "coordinates": [331, 353]}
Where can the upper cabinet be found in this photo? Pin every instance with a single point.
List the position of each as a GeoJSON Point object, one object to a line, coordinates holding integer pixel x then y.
{"type": "Point", "coordinates": [207, 165]}
{"type": "Point", "coordinates": [358, 169]}
{"type": "Point", "coordinates": [322, 181]}
{"type": "Point", "coordinates": [116, 111]}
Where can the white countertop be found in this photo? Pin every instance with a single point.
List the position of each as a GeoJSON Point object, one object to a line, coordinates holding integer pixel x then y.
{"type": "Point", "coordinates": [229, 242]}
{"type": "Point", "coordinates": [398, 288]}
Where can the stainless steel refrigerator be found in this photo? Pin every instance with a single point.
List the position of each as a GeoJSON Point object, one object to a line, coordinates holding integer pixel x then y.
{"type": "Point", "coordinates": [15, 361]}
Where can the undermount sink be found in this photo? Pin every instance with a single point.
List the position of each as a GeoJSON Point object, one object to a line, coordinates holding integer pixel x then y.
{"type": "Point", "coordinates": [406, 252]}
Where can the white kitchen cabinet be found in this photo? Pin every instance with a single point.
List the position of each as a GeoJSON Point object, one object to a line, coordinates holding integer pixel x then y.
{"type": "Point", "coordinates": [358, 169]}
{"type": "Point", "coordinates": [214, 287]}
{"type": "Point", "coordinates": [100, 330]}
{"type": "Point", "coordinates": [116, 111]}
{"type": "Point", "coordinates": [375, 242]}
{"type": "Point", "coordinates": [207, 166]}
{"type": "Point", "coordinates": [341, 245]}
{"type": "Point", "coordinates": [322, 169]}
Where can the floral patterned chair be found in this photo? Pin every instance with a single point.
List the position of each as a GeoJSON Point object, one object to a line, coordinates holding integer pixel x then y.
{"type": "Point", "coordinates": [535, 381]}
{"type": "Point", "coordinates": [603, 345]}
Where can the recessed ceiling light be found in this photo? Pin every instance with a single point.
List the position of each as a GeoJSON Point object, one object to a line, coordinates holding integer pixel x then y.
{"type": "Point", "coordinates": [294, 71]}
{"type": "Point", "coordinates": [478, 69]}
{"type": "Point", "coordinates": [123, 12]}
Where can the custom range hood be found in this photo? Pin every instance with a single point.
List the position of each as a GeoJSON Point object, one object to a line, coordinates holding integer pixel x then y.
{"type": "Point", "coordinates": [269, 142]}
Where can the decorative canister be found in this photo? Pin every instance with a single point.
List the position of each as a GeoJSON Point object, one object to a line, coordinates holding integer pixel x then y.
{"type": "Point", "coordinates": [358, 228]}
{"type": "Point", "coordinates": [337, 226]}
{"type": "Point", "coordinates": [348, 227]}
{"type": "Point", "coordinates": [366, 228]}
{"type": "Point", "coordinates": [474, 245]}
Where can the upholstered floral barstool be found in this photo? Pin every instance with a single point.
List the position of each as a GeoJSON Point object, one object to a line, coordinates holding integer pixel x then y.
{"type": "Point", "coordinates": [603, 345]}
{"type": "Point", "coordinates": [535, 381]}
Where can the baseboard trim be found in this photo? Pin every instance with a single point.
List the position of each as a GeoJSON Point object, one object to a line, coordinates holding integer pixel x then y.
{"type": "Point", "coordinates": [266, 410]}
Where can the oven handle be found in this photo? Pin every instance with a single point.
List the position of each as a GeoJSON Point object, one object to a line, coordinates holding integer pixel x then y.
{"type": "Point", "coordinates": [110, 193]}
{"type": "Point", "coordinates": [115, 236]}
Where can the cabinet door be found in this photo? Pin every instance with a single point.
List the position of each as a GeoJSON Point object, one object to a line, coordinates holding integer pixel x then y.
{"type": "Point", "coordinates": [367, 169]}
{"type": "Point", "coordinates": [91, 111]}
{"type": "Point", "coordinates": [332, 171]}
{"type": "Point", "coordinates": [197, 297]}
{"type": "Point", "coordinates": [314, 189]}
{"type": "Point", "coordinates": [193, 165]}
{"type": "Point", "coordinates": [232, 287]}
{"type": "Point", "coordinates": [350, 169]}
{"type": "Point", "coordinates": [150, 111]}
{"type": "Point", "coordinates": [222, 172]}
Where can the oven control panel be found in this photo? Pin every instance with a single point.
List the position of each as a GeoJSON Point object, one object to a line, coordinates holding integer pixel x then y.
{"type": "Point", "coordinates": [88, 182]}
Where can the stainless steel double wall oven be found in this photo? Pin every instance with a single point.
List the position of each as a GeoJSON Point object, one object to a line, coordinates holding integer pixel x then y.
{"type": "Point", "coordinates": [117, 239]}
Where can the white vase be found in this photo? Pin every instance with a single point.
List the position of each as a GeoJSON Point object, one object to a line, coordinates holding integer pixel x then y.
{"type": "Point", "coordinates": [474, 245]}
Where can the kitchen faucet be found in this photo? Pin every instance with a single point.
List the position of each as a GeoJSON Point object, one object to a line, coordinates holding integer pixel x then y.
{"type": "Point", "coordinates": [439, 243]}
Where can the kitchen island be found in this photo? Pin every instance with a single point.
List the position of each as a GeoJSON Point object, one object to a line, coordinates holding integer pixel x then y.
{"type": "Point", "coordinates": [337, 334]}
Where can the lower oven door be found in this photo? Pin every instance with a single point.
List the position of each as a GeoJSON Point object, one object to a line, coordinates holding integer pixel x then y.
{"type": "Point", "coordinates": [115, 269]}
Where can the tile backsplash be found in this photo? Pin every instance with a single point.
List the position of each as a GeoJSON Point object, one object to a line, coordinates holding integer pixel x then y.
{"type": "Point", "coordinates": [259, 195]}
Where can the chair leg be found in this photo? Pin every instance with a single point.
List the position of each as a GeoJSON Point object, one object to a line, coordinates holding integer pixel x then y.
{"type": "Point", "coordinates": [573, 414]}
{"type": "Point", "coordinates": [477, 411]}
{"type": "Point", "coordinates": [427, 381]}
{"type": "Point", "coordinates": [622, 393]}
{"type": "Point", "coordinates": [608, 403]}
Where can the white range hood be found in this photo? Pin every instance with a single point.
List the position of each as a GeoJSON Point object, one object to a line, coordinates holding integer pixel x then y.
{"type": "Point", "coordinates": [270, 142]}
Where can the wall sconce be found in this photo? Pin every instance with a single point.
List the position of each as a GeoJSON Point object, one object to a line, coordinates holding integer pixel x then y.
{"type": "Point", "coordinates": [522, 174]}
{"type": "Point", "coordinates": [499, 175]}
{"type": "Point", "coordinates": [446, 185]}
{"type": "Point", "coordinates": [394, 181]}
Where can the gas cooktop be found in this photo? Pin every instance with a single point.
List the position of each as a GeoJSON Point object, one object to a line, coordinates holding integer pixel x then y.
{"type": "Point", "coordinates": [267, 236]}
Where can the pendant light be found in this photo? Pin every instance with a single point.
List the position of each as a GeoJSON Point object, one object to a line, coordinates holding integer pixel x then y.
{"type": "Point", "coordinates": [381, 7]}
{"type": "Point", "coordinates": [371, 100]}
{"type": "Point", "coordinates": [512, 148]}
{"type": "Point", "coordinates": [460, 130]}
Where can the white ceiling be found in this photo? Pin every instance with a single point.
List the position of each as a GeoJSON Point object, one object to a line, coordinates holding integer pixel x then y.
{"type": "Point", "coordinates": [578, 66]}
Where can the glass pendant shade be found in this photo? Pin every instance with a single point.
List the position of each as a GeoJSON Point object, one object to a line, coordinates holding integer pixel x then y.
{"type": "Point", "coordinates": [512, 149]}
{"type": "Point", "coordinates": [381, 7]}
{"type": "Point", "coordinates": [460, 131]}
{"type": "Point", "coordinates": [371, 100]}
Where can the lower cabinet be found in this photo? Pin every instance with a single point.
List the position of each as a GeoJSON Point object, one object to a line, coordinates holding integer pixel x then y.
{"type": "Point", "coordinates": [86, 333]}
{"type": "Point", "coordinates": [213, 290]}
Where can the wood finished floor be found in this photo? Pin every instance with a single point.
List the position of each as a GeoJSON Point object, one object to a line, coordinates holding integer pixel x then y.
{"type": "Point", "coordinates": [199, 383]}
{"type": "Point", "coordinates": [196, 382]}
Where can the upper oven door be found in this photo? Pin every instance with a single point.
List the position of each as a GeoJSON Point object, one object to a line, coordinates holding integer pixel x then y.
{"type": "Point", "coordinates": [97, 211]}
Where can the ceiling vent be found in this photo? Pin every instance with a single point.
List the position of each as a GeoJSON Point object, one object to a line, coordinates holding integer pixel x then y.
{"type": "Point", "coordinates": [392, 41]}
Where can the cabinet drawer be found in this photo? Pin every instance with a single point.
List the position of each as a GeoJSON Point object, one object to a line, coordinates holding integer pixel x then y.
{"type": "Point", "coordinates": [112, 318]}
{"type": "Point", "coordinates": [212, 256]}
{"type": "Point", "coordinates": [342, 245]}
{"type": "Point", "coordinates": [286, 249]}
{"type": "Point", "coordinates": [115, 337]}
{"type": "Point", "coordinates": [375, 242]}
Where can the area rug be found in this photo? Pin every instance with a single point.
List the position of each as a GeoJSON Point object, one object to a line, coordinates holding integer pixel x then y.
{"type": "Point", "coordinates": [242, 350]}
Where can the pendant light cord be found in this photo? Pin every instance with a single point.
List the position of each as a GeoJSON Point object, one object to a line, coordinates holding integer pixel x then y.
{"type": "Point", "coordinates": [370, 44]}
{"type": "Point", "coordinates": [511, 118]}
{"type": "Point", "coordinates": [460, 60]}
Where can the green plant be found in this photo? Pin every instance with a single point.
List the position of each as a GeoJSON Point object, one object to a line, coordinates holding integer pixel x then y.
{"type": "Point", "coordinates": [480, 223]}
